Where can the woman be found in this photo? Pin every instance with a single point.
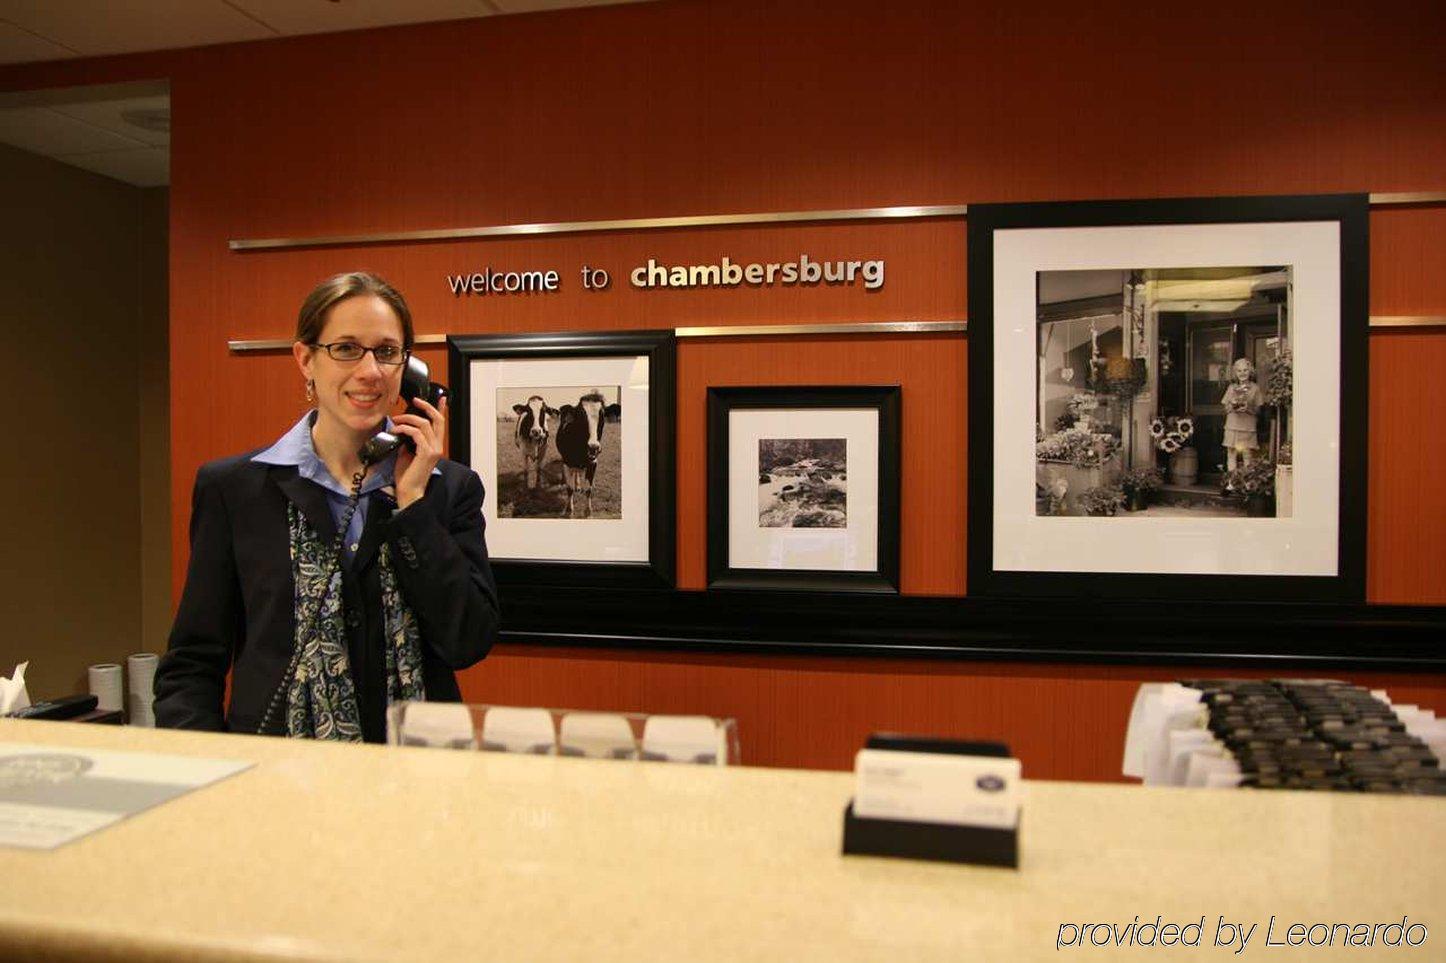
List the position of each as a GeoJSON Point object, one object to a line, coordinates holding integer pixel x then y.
{"type": "Point", "coordinates": [1241, 401]}
{"type": "Point", "coordinates": [320, 642]}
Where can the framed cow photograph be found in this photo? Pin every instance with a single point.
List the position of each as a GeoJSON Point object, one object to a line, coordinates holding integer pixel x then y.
{"type": "Point", "coordinates": [1167, 399]}
{"type": "Point", "coordinates": [572, 436]}
{"type": "Point", "coordinates": [803, 488]}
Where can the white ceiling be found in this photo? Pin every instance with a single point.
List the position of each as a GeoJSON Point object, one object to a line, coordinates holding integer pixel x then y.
{"type": "Point", "coordinates": [123, 130]}
{"type": "Point", "coordinates": [59, 29]}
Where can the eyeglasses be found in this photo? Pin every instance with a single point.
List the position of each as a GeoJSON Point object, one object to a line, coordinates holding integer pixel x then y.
{"type": "Point", "coordinates": [391, 354]}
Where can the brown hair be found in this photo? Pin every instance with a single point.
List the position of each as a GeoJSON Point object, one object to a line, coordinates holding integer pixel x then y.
{"type": "Point", "coordinates": [331, 292]}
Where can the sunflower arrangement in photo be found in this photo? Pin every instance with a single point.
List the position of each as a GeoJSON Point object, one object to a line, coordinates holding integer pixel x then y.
{"type": "Point", "coordinates": [1172, 433]}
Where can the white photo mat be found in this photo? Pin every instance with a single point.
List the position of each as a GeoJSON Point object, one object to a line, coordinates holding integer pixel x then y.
{"type": "Point", "coordinates": [623, 539]}
{"type": "Point", "coordinates": [854, 548]}
{"type": "Point", "coordinates": [1305, 543]}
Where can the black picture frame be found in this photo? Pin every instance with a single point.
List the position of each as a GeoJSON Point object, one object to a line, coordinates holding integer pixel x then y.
{"type": "Point", "coordinates": [883, 399]}
{"type": "Point", "coordinates": [659, 347]}
{"type": "Point", "coordinates": [1349, 212]}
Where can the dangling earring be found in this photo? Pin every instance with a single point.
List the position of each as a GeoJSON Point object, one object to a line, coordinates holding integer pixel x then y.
{"type": "Point", "coordinates": [310, 390]}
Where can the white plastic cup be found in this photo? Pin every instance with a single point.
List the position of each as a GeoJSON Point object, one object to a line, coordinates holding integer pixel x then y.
{"type": "Point", "coordinates": [105, 685]}
{"type": "Point", "coordinates": [140, 680]}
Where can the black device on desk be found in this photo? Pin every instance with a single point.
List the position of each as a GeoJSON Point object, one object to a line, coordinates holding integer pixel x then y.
{"type": "Point", "coordinates": [416, 383]}
{"type": "Point", "coordinates": [65, 708]}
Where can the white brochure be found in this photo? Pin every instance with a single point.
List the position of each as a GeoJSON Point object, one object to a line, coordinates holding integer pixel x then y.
{"type": "Point", "coordinates": [937, 787]}
{"type": "Point", "coordinates": [50, 795]}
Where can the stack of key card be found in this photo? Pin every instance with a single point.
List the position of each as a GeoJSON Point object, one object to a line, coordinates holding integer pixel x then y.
{"type": "Point", "coordinates": [1320, 734]}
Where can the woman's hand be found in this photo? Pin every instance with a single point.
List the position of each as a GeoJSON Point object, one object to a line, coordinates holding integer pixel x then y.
{"type": "Point", "coordinates": [413, 470]}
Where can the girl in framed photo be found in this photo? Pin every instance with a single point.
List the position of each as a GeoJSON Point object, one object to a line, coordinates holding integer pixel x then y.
{"type": "Point", "coordinates": [1242, 403]}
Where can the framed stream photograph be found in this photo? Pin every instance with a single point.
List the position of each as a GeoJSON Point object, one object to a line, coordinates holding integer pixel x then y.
{"type": "Point", "coordinates": [1167, 398]}
{"type": "Point", "coordinates": [572, 436]}
{"type": "Point", "coordinates": [803, 488]}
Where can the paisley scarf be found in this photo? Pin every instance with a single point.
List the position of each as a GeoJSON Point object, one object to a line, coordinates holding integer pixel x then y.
{"type": "Point", "coordinates": [321, 701]}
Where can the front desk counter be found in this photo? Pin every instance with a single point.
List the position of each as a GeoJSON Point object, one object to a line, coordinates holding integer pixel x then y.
{"type": "Point", "coordinates": [327, 852]}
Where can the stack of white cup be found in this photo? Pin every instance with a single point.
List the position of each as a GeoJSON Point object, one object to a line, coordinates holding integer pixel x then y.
{"type": "Point", "coordinates": [140, 677]}
{"type": "Point", "coordinates": [131, 695]}
{"type": "Point", "coordinates": [105, 685]}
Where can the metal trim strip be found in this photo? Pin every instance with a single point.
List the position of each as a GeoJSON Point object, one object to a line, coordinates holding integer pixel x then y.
{"type": "Point", "coordinates": [804, 330]}
{"type": "Point", "coordinates": [1379, 199]}
{"type": "Point", "coordinates": [592, 227]}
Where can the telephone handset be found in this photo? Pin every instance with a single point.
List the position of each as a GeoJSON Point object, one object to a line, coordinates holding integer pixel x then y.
{"type": "Point", "coordinates": [416, 383]}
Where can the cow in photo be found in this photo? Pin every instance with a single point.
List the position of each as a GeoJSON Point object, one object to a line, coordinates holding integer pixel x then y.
{"type": "Point", "coordinates": [534, 425]}
{"type": "Point", "coordinates": [579, 442]}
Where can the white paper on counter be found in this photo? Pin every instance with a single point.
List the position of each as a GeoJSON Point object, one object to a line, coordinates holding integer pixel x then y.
{"type": "Point", "coordinates": [51, 795]}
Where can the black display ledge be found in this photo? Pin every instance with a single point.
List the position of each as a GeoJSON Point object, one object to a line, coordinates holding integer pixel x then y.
{"type": "Point", "coordinates": [1313, 635]}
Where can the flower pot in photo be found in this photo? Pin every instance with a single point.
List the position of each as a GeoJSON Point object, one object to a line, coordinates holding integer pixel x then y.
{"type": "Point", "coordinates": [1184, 466]}
{"type": "Point", "coordinates": [1138, 501]}
{"type": "Point", "coordinates": [1259, 506]}
{"type": "Point", "coordinates": [1076, 480]}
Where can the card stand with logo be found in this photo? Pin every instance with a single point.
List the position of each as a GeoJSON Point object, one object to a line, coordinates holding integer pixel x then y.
{"type": "Point", "coordinates": [936, 799]}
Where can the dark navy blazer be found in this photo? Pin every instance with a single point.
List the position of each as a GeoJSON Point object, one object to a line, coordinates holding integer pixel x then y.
{"type": "Point", "coordinates": [237, 612]}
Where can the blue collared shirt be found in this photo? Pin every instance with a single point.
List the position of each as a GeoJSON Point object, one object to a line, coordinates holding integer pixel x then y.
{"type": "Point", "coordinates": [296, 448]}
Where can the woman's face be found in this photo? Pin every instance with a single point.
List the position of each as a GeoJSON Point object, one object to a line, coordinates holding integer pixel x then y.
{"type": "Point", "coordinates": [355, 395]}
{"type": "Point", "coordinates": [1243, 370]}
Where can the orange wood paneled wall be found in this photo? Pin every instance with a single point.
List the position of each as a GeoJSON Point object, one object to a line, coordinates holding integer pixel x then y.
{"type": "Point", "coordinates": [691, 107]}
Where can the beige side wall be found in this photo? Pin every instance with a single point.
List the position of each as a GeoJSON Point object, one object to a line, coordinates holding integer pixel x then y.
{"type": "Point", "coordinates": [85, 338]}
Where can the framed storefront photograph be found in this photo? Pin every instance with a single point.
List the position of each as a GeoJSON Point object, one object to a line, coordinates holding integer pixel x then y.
{"type": "Point", "coordinates": [1167, 398]}
{"type": "Point", "coordinates": [803, 488]}
{"type": "Point", "coordinates": [572, 435]}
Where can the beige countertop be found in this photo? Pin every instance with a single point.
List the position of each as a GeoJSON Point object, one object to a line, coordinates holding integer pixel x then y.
{"type": "Point", "coordinates": [326, 852]}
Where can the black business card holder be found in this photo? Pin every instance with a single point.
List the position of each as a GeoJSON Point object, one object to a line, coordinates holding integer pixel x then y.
{"type": "Point", "coordinates": [942, 842]}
